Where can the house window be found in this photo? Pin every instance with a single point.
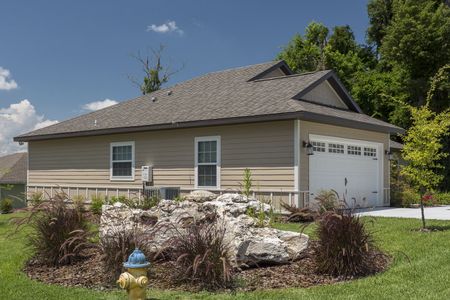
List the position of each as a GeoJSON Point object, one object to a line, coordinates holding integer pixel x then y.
{"type": "Point", "coordinates": [318, 146]}
{"type": "Point", "coordinates": [335, 148]}
{"type": "Point", "coordinates": [207, 162]}
{"type": "Point", "coordinates": [122, 161]}
{"type": "Point", "coordinates": [353, 150]}
{"type": "Point", "coordinates": [369, 151]}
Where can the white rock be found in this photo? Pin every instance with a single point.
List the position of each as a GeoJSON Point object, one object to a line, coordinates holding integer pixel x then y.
{"type": "Point", "coordinates": [200, 196]}
{"type": "Point", "coordinates": [249, 245]}
{"type": "Point", "coordinates": [119, 204]}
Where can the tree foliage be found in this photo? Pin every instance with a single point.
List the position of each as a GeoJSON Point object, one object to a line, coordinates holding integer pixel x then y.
{"type": "Point", "coordinates": [155, 73]}
{"type": "Point", "coordinates": [380, 16]}
{"type": "Point", "coordinates": [423, 142]}
{"type": "Point", "coordinates": [408, 41]}
{"type": "Point", "coordinates": [320, 50]}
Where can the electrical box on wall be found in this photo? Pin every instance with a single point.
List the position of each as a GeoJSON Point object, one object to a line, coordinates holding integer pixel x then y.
{"type": "Point", "coordinates": [147, 173]}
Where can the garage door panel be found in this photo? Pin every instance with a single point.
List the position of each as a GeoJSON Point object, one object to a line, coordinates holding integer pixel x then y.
{"type": "Point", "coordinates": [356, 176]}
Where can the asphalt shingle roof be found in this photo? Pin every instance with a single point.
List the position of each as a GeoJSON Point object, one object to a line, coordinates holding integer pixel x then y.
{"type": "Point", "coordinates": [218, 95]}
{"type": "Point", "coordinates": [13, 168]}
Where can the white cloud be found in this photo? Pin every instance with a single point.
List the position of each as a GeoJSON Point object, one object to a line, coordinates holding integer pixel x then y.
{"type": "Point", "coordinates": [96, 105]}
{"type": "Point", "coordinates": [16, 119]}
{"type": "Point", "coordinates": [169, 26]}
{"type": "Point", "coordinates": [6, 83]}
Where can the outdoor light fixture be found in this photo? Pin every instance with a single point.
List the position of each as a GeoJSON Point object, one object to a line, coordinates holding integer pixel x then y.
{"type": "Point", "coordinates": [389, 154]}
{"type": "Point", "coordinates": [309, 148]}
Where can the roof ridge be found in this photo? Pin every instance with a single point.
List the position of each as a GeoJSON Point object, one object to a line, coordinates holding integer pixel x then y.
{"type": "Point", "coordinates": [272, 62]}
{"type": "Point", "coordinates": [204, 75]}
{"type": "Point", "coordinates": [293, 75]}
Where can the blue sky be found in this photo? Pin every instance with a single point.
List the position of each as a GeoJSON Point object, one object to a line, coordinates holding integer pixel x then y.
{"type": "Point", "coordinates": [65, 54]}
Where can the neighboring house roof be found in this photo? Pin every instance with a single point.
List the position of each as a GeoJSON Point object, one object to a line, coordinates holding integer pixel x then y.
{"type": "Point", "coordinates": [395, 145]}
{"type": "Point", "coordinates": [232, 96]}
{"type": "Point", "coordinates": [13, 168]}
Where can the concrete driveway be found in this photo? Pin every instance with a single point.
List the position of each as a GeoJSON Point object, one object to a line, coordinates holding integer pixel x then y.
{"type": "Point", "coordinates": [431, 213]}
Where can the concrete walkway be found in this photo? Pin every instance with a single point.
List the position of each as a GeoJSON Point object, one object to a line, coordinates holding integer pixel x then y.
{"type": "Point", "coordinates": [431, 213]}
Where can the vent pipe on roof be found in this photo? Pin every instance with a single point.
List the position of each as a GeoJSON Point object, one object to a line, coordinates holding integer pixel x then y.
{"type": "Point", "coordinates": [153, 99]}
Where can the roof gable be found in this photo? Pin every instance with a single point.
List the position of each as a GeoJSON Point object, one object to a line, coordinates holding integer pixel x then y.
{"type": "Point", "coordinates": [337, 87]}
{"type": "Point", "coordinates": [277, 70]}
{"type": "Point", "coordinates": [325, 94]}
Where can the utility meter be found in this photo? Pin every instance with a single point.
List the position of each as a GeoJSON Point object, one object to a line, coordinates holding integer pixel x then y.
{"type": "Point", "coordinates": [147, 173]}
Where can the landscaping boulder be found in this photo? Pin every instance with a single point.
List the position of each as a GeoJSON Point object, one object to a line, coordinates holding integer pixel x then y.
{"type": "Point", "coordinates": [200, 196]}
{"type": "Point", "coordinates": [250, 241]}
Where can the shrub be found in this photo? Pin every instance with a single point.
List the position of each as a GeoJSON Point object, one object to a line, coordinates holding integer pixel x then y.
{"type": "Point", "coordinates": [120, 242]}
{"type": "Point", "coordinates": [297, 214]}
{"type": "Point", "coordinates": [97, 202]}
{"type": "Point", "coordinates": [60, 233]}
{"type": "Point", "coordinates": [247, 183]}
{"type": "Point", "coordinates": [442, 198]}
{"type": "Point", "coordinates": [202, 256]}
{"type": "Point", "coordinates": [327, 200]}
{"type": "Point", "coordinates": [36, 198]}
{"type": "Point", "coordinates": [115, 199]}
{"type": "Point", "coordinates": [344, 246]}
{"type": "Point", "coordinates": [6, 206]}
{"type": "Point", "coordinates": [78, 202]}
{"type": "Point", "coordinates": [115, 250]}
{"type": "Point", "coordinates": [251, 212]}
{"type": "Point", "coordinates": [153, 201]}
{"type": "Point", "coordinates": [409, 196]}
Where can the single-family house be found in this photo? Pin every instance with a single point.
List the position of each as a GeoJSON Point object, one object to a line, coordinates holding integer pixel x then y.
{"type": "Point", "coordinates": [13, 178]}
{"type": "Point", "coordinates": [297, 133]}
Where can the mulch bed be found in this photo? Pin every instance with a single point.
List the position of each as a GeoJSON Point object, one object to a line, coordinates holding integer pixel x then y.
{"type": "Point", "coordinates": [89, 273]}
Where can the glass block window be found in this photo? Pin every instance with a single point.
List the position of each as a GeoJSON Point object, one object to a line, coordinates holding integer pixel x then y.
{"type": "Point", "coordinates": [319, 146]}
{"type": "Point", "coordinates": [207, 161]}
{"type": "Point", "coordinates": [122, 160]}
{"type": "Point", "coordinates": [369, 151]}
{"type": "Point", "coordinates": [353, 150]}
{"type": "Point", "coordinates": [335, 148]}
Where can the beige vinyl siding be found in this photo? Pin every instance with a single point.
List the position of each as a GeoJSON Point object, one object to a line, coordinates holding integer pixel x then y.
{"type": "Point", "coordinates": [84, 162]}
{"type": "Point", "coordinates": [324, 93]}
{"type": "Point", "coordinates": [307, 128]}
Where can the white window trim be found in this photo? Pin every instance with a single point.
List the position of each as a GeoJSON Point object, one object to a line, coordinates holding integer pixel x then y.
{"type": "Point", "coordinates": [218, 163]}
{"type": "Point", "coordinates": [122, 178]}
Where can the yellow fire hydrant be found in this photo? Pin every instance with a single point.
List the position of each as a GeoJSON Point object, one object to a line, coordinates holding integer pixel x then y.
{"type": "Point", "coordinates": [135, 280]}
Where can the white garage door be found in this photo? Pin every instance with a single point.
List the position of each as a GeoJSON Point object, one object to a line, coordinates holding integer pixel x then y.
{"type": "Point", "coordinates": [350, 167]}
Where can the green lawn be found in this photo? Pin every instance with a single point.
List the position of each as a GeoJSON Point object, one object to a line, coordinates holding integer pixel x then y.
{"type": "Point", "coordinates": [421, 270]}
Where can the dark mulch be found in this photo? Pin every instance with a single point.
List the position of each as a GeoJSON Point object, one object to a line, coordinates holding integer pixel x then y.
{"type": "Point", "coordinates": [85, 273]}
{"type": "Point", "coordinates": [301, 273]}
{"type": "Point", "coordinates": [89, 273]}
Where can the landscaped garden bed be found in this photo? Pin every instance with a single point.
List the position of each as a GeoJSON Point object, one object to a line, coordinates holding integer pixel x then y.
{"type": "Point", "coordinates": [89, 273]}
{"type": "Point", "coordinates": [250, 252]}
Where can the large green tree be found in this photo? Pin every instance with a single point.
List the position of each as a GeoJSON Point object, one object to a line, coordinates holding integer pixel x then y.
{"type": "Point", "coordinates": [418, 41]}
{"type": "Point", "coordinates": [380, 16]}
{"type": "Point", "coordinates": [319, 49]}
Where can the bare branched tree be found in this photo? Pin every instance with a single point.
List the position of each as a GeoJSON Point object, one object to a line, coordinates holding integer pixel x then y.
{"type": "Point", "coordinates": [156, 74]}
